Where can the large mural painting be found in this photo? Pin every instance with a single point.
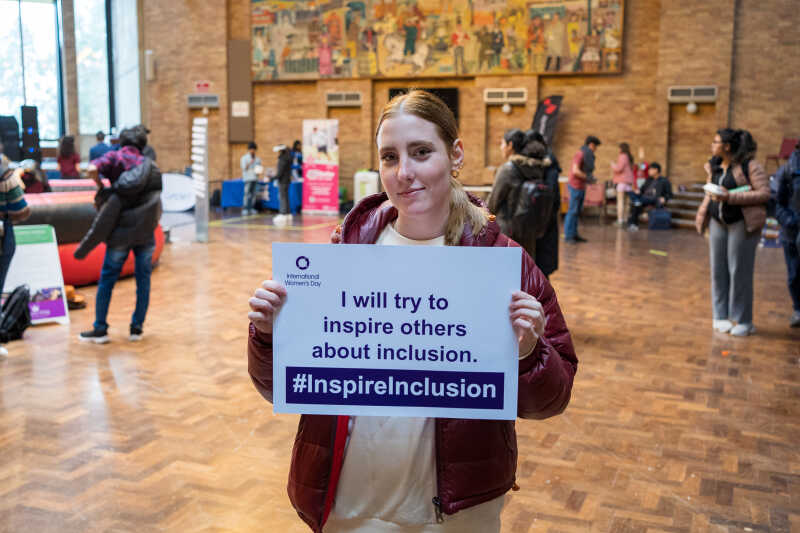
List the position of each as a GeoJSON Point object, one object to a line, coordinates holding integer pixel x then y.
{"type": "Point", "coordinates": [418, 38]}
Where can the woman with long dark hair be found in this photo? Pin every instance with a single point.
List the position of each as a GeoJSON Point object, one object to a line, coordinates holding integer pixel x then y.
{"type": "Point", "coordinates": [68, 159]}
{"type": "Point", "coordinates": [623, 179]}
{"type": "Point", "coordinates": [734, 210]}
{"type": "Point", "coordinates": [525, 160]}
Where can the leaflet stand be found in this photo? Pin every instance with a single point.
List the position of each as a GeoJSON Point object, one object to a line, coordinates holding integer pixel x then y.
{"type": "Point", "coordinates": [200, 176]}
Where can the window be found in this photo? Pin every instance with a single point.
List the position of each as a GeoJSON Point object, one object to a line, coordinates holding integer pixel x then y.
{"type": "Point", "coordinates": [126, 62]}
{"type": "Point", "coordinates": [37, 84]}
{"type": "Point", "coordinates": [91, 52]}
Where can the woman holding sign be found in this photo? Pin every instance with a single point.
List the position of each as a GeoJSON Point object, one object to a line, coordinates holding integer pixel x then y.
{"type": "Point", "coordinates": [423, 474]}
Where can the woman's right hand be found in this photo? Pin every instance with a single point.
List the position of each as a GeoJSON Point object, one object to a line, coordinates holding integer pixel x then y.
{"type": "Point", "coordinates": [265, 303]}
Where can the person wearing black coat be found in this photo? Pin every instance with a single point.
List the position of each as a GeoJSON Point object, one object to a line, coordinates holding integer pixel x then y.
{"type": "Point", "coordinates": [547, 244]}
{"type": "Point", "coordinates": [787, 211]}
{"type": "Point", "coordinates": [655, 191]}
{"type": "Point", "coordinates": [283, 174]}
{"type": "Point", "coordinates": [128, 214]}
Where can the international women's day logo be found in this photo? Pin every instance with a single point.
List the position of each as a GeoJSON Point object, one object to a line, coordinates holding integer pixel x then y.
{"type": "Point", "coordinates": [303, 279]}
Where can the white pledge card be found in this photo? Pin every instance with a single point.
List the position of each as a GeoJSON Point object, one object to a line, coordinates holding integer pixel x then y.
{"type": "Point", "coordinates": [419, 331]}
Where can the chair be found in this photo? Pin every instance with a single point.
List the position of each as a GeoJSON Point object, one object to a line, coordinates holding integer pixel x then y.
{"type": "Point", "coordinates": [787, 146]}
{"type": "Point", "coordinates": [596, 197]}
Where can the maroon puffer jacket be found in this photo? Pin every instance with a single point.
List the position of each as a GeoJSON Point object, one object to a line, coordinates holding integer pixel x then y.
{"type": "Point", "coordinates": [476, 460]}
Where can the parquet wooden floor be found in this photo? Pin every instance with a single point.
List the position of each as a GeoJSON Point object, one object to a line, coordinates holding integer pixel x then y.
{"type": "Point", "coordinates": [672, 428]}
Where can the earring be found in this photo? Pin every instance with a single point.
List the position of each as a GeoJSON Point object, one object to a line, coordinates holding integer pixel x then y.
{"type": "Point", "coordinates": [454, 173]}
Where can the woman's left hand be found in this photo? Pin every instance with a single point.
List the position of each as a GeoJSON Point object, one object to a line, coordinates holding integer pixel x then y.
{"type": "Point", "coordinates": [721, 197]}
{"type": "Point", "coordinates": [528, 319]}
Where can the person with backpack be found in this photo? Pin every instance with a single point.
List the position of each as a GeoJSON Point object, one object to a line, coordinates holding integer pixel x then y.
{"type": "Point", "coordinates": [521, 176]}
{"type": "Point", "coordinates": [734, 210]}
{"type": "Point", "coordinates": [13, 208]}
{"type": "Point", "coordinates": [787, 211]}
{"type": "Point", "coordinates": [128, 214]}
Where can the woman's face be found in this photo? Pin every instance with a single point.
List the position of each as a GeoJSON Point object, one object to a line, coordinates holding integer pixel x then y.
{"type": "Point", "coordinates": [415, 165]}
{"type": "Point", "coordinates": [506, 148]}
{"type": "Point", "coordinates": [717, 148]}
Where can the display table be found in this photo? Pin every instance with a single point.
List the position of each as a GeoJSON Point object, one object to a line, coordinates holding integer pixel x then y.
{"type": "Point", "coordinates": [232, 195]}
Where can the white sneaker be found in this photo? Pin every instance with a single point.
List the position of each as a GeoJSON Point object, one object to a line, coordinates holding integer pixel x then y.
{"type": "Point", "coordinates": [3, 351]}
{"type": "Point", "coordinates": [279, 220]}
{"type": "Point", "coordinates": [723, 326]}
{"type": "Point", "coordinates": [743, 330]}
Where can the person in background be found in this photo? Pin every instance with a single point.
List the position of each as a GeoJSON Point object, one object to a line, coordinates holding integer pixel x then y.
{"type": "Point", "coordinates": [655, 191]}
{"type": "Point", "coordinates": [502, 201]}
{"type": "Point", "coordinates": [423, 474]}
{"type": "Point", "coordinates": [297, 160]}
{"type": "Point", "coordinates": [147, 150]}
{"type": "Point", "coordinates": [580, 173]}
{"type": "Point", "coordinates": [283, 174]}
{"type": "Point", "coordinates": [4, 160]}
{"type": "Point", "coordinates": [68, 159]}
{"type": "Point", "coordinates": [126, 225]}
{"type": "Point", "coordinates": [13, 208]}
{"type": "Point", "coordinates": [787, 211]}
{"type": "Point", "coordinates": [735, 219]}
{"type": "Point", "coordinates": [100, 148]}
{"type": "Point", "coordinates": [251, 165]}
{"type": "Point", "coordinates": [623, 179]}
{"type": "Point", "coordinates": [34, 181]}
{"type": "Point", "coordinates": [547, 245]}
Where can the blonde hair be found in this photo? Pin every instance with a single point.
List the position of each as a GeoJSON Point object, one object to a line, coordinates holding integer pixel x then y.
{"type": "Point", "coordinates": [429, 107]}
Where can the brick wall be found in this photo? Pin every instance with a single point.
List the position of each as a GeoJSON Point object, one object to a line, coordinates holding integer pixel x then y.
{"type": "Point", "coordinates": [766, 72]}
{"type": "Point", "coordinates": [189, 43]}
{"type": "Point", "coordinates": [745, 48]}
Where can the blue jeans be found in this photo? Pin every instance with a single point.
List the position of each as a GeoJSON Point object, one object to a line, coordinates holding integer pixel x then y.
{"type": "Point", "coordinates": [576, 197]}
{"type": "Point", "coordinates": [249, 194]}
{"type": "Point", "coordinates": [9, 247]}
{"type": "Point", "coordinates": [112, 266]}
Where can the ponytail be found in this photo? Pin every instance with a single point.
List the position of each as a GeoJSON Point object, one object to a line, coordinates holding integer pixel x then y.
{"type": "Point", "coordinates": [462, 211]}
{"type": "Point", "coordinates": [742, 145]}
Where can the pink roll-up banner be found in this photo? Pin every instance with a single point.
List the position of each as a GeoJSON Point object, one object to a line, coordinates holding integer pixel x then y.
{"type": "Point", "coordinates": [321, 189]}
{"type": "Point", "coordinates": [321, 166]}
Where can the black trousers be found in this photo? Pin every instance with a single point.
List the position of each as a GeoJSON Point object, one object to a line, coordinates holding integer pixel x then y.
{"type": "Point", "coordinates": [636, 210]}
{"type": "Point", "coordinates": [283, 196]}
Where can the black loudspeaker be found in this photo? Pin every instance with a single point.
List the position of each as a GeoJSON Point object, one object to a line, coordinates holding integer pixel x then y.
{"type": "Point", "coordinates": [30, 133]}
{"type": "Point", "coordinates": [9, 136]}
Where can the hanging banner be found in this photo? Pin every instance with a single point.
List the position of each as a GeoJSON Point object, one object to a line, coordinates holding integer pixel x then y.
{"type": "Point", "coordinates": [321, 166]}
{"type": "Point", "coordinates": [359, 336]}
{"type": "Point", "coordinates": [546, 117]}
{"type": "Point", "coordinates": [36, 264]}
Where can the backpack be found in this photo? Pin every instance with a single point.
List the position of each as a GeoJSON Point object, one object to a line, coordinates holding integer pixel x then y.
{"type": "Point", "coordinates": [533, 207]}
{"type": "Point", "coordinates": [15, 316]}
{"type": "Point", "coordinates": [659, 218]}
